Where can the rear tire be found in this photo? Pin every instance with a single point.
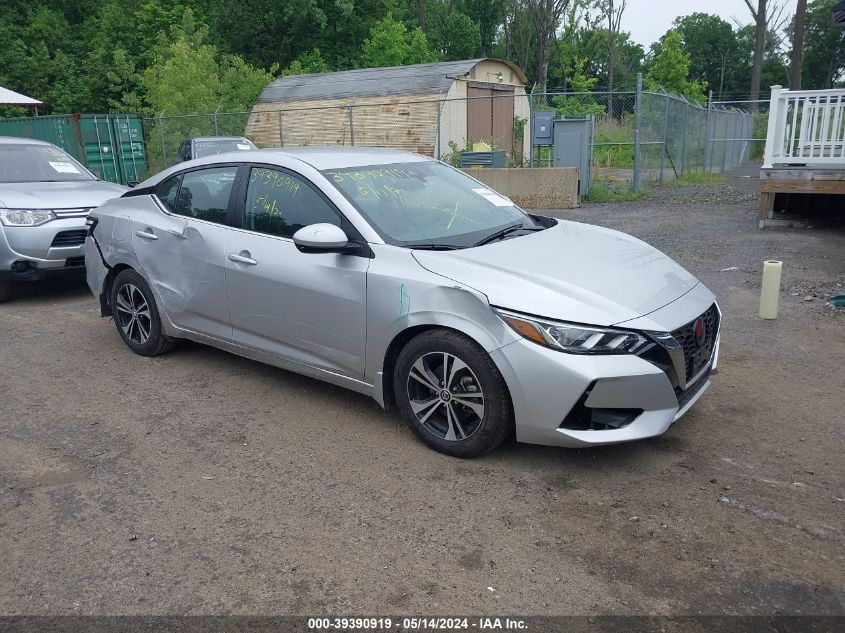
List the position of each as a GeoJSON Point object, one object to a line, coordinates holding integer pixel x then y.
{"type": "Point", "coordinates": [451, 394]}
{"type": "Point", "coordinates": [136, 315]}
{"type": "Point", "coordinates": [5, 291]}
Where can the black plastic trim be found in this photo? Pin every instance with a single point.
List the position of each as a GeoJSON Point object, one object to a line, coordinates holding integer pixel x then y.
{"type": "Point", "coordinates": [139, 191]}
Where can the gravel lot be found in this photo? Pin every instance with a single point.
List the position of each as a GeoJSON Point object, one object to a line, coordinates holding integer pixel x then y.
{"type": "Point", "coordinates": [201, 483]}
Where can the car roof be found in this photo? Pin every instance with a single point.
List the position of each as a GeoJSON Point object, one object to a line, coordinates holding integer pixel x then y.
{"type": "Point", "coordinates": [17, 140]}
{"type": "Point", "coordinates": [319, 158]}
{"type": "Point", "coordinates": [336, 157]}
{"type": "Point", "coordinates": [206, 139]}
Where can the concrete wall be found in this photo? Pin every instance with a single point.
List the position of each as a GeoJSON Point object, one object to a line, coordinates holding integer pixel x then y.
{"type": "Point", "coordinates": [540, 188]}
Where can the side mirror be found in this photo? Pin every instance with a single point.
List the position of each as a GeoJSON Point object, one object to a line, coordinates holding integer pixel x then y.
{"type": "Point", "coordinates": [133, 183]}
{"type": "Point", "coordinates": [323, 238]}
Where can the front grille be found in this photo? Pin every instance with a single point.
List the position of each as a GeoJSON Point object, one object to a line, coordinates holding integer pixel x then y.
{"type": "Point", "coordinates": [696, 357]}
{"type": "Point", "coordinates": [69, 238]}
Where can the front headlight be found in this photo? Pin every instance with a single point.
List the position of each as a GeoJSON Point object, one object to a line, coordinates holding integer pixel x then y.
{"type": "Point", "coordinates": [26, 217]}
{"type": "Point", "coordinates": [573, 338]}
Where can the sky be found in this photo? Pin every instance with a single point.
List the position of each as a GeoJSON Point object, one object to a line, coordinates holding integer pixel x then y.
{"type": "Point", "coordinates": [647, 20]}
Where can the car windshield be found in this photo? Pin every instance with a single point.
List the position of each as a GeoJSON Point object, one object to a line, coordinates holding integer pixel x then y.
{"type": "Point", "coordinates": [427, 203]}
{"type": "Point", "coordinates": [209, 148]}
{"type": "Point", "coordinates": [23, 162]}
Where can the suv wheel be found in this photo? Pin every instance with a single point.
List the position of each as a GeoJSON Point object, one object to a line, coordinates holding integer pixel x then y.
{"type": "Point", "coordinates": [136, 315]}
{"type": "Point", "coordinates": [5, 290]}
{"type": "Point", "coordinates": [451, 394]}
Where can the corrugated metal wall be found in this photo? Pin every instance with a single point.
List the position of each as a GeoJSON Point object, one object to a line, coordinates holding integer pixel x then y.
{"type": "Point", "coordinates": [110, 145]}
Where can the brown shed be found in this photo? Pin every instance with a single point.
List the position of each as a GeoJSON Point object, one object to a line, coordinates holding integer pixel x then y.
{"type": "Point", "coordinates": [421, 108]}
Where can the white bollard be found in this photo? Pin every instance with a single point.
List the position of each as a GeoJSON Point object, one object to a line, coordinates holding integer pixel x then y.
{"type": "Point", "coordinates": [770, 290]}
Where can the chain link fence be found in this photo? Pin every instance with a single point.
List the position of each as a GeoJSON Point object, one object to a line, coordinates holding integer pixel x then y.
{"type": "Point", "coordinates": [639, 137]}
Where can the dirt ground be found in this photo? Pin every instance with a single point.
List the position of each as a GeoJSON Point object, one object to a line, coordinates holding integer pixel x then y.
{"type": "Point", "coordinates": [201, 483]}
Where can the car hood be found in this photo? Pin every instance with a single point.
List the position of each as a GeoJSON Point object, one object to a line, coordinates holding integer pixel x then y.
{"type": "Point", "coordinates": [58, 195]}
{"type": "Point", "coordinates": [572, 271]}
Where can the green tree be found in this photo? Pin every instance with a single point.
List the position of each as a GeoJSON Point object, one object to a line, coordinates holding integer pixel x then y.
{"type": "Point", "coordinates": [268, 31]}
{"type": "Point", "coordinates": [774, 71]}
{"type": "Point", "coordinates": [459, 38]}
{"type": "Point", "coordinates": [670, 70]}
{"type": "Point", "coordinates": [390, 44]}
{"type": "Point", "coordinates": [307, 63]}
{"type": "Point", "coordinates": [387, 44]}
{"type": "Point", "coordinates": [40, 54]}
{"type": "Point", "coordinates": [419, 51]}
{"type": "Point", "coordinates": [711, 44]}
{"type": "Point", "coordinates": [487, 16]}
{"type": "Point", "coordinates": [188, 75]}
{"type": "Point", "coordinates": [824, 47]}
{"type": "Point", "coordinates": [578, 104]}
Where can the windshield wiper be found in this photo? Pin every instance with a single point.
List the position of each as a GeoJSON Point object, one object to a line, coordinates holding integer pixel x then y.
{"type": "Point", "coordinates": [428, 246]}
{"type": "Point", "coordinates": [506, 231]}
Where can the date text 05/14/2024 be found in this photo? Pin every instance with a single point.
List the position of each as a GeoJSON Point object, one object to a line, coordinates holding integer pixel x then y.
{"type": "Point", "coordinates": [416, 623]}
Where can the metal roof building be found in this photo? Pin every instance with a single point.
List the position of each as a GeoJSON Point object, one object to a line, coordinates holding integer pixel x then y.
{"type": "Point", "coordinates": [10, 97]}
{"type": "Point", "coordinates": [421, 108]}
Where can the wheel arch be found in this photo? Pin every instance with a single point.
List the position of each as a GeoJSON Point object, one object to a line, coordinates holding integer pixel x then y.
{"type": "Point", "coordinates": [108, 282]}
{"type": "Point", "coordinates": [394, 348]}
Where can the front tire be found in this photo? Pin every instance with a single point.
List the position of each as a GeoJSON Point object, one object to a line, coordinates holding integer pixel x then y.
{"type": "Point", "coordinates": [451, 394]}
{"type": "Point", "coordinates": [5, 291]}
{"type": "Point", "coordinates": [136, 315]}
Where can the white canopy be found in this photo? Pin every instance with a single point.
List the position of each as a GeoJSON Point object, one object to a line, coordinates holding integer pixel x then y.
{"type": "Point", "coordinates": [10, 97]}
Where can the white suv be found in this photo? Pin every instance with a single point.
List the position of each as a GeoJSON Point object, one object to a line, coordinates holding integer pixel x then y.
{"type": "Point", "coordinates": [45, 196]}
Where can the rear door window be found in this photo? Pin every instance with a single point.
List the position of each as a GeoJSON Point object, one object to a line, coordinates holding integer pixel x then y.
{"type": "Point", "coordinates": [167, 191]}
{"type": "Point", "coordinates": [205, 193]}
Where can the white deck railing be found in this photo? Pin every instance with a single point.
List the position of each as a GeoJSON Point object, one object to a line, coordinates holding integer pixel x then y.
{"type": "Point", "coordinates": [806, 127]}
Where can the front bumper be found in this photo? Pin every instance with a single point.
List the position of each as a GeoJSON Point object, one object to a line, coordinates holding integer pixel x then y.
{"type": "Point", "coordinates": [634, 396]}
{"type": "Point", "coordinates": [30, 253]}
{"type": "Point", "coordinates": [96, 272]}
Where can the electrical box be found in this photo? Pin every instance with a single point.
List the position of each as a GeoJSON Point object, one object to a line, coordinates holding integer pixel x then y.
{"type": "Point", "coordinates": [542, 128]}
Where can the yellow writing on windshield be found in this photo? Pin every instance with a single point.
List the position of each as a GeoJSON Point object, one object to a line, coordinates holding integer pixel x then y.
{"type": "Point", "coordinates": [382, 192]}
{"type": "Point", "coordinates": [393, 173]}
{"type": "Point", "coordinates": [268, 205]}
{"type": "Point", "coordinates": [274, 179]}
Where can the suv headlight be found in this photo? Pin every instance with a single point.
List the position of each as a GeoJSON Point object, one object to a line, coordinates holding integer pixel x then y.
{"type": "Point", "coordinates": [573, 338]}
{"type": "Point", "coordinates": [26, 217]}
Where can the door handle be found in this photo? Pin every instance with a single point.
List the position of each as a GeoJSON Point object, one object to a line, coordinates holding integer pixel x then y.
{"type": "Point", "coordinates": [145, 235]}
{"type": "Point", "coordinates": [240, 259]}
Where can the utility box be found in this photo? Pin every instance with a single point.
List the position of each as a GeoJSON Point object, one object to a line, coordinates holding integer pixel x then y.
{"type": "Point", "coordinates": [483, 159]}
{"type": "Point", "coordinates": [542, 128]}
{"type": "Point", "coordinates": [573, 146]}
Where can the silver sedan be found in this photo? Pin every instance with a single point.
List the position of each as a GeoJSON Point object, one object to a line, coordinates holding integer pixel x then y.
{"type": "Point", "coordinates": [399, 277]}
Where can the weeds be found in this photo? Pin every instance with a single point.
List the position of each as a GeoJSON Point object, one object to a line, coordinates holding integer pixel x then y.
{"type": "Point", "coordinates": [697, 178]}
{"type": "Point", "coordinates": [608, 192]}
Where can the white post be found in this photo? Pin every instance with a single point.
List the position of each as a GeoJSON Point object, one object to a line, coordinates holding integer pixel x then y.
{"type": "Point", "coordinates": [772, 133]}
{"type": "Point", "coordinates": [770, 289]}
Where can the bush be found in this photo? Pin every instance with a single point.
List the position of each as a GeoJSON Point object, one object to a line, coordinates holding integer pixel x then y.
{"type": "Point", "coordinates": [577, 106]}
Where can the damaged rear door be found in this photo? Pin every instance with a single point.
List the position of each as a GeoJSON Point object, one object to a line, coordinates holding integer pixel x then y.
{"type": "Point", "coordinates": [182, 248]}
